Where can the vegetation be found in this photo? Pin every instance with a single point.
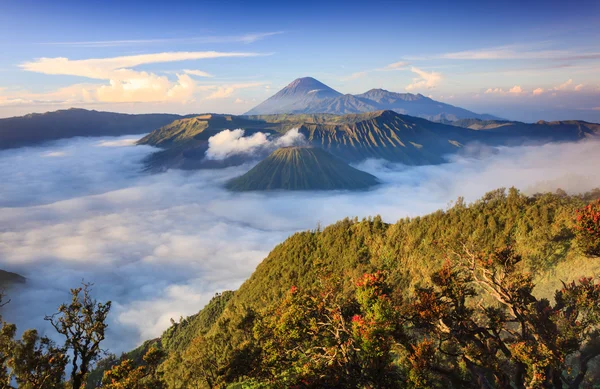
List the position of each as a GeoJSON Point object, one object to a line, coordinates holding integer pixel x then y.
{"type": "Point", "coordinates": [82, 323]}
{"type": "Point", "coordinates": [495, 294]}
{"type": "Point", "coordinates": [35, 362]}
{"type": "Point", "coordinates": [488, 295]}
{"type": "Point", "coordinates": [302, 168]}
{"type": "Point", "coordinates": [588, 229]}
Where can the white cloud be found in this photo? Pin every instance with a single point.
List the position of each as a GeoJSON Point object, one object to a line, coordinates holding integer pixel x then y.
{"type": "Point", "coordinates": [397, 65]}
{"type": "Point", "coordinates": [538, 91]}
{"type": "Point", "coordinates": [232, 142]}
{"type": "Point", "coordinates": [516, 90]}
{"type": "Point", "coordinates": [564, 86]}
{"type": "Point", "coordinates": [54, 154]}
{"type": "Point", "coordinates": [391, 67]}
{"type": "Point", "coordinates": [494, 90]}
{"type": "Point", "coordinates": [117, 67]}
{"type": "Point", "coordinates": [124, 83]}
{"type": "Point", "coordinates": [426, 80]}
{"type": "Point", "coordinates": [519, 52]}
{"type": "Point", "coordinates": [223, 91]}
{"type": "Point", "coordinates": [246, 38]}
{"type": "Point", "coordinates": [357, 75]}
{"type": "Point", "coordinates": [198, 73]}
{"type": "Point", "coordinates": [227, 143]}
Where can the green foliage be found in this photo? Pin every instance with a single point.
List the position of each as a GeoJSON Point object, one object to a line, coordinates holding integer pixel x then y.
{"type": "Point", "coordinates": [516, 340]}
{"type": "Point", "coordinates": [83, 324]}
{"type": "Point", "coordinates": [36, 362]}
{"type": "Point", "coordinates": [126, 375]}
{"type": "Point", "coordinates": [539, 229]}
{"type": "Point", "coordinates": [321, 338]}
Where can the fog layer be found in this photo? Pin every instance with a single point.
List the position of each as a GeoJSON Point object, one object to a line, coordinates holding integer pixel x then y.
{"type": "Point", "coordinates": [160, 246]}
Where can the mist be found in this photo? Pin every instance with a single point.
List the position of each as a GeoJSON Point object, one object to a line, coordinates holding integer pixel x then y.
{"type": "Point", "coordinates": [233, 142]}
{"type": "Point", "coordinates": [161, 245]}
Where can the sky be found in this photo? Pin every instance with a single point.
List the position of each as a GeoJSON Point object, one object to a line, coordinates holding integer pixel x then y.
{"type": "Point", "coordinates": [527, 60]}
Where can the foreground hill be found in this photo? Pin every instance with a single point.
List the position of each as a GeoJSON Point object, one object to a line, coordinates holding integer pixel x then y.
{"type": "Point", "coordinates": [302, 168]}
{"type": "Point", "coordinates": [36, 128]}
{"type": "Point", "coordinates": [307, 95]}
{"type": "Point", "coordinates": [227, 340]}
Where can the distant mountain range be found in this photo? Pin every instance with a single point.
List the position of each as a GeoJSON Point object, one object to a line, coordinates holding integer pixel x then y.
{"type": "Point", "coordinates": [307, 95]}
{"type": "Point", "coordinates": [354, 137]}
{"type": "Point", "coordinates": [302, 168]}
{"type": "Point", "coordinates": [36, 128]}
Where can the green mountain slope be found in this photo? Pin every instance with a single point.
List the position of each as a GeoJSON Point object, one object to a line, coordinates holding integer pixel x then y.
{"type": "Point", "coordinates": [302, 168]}
{"type": "Point", "coordinates": [539, 228]}
{"type": "Point", "coordinates": [37, 128]}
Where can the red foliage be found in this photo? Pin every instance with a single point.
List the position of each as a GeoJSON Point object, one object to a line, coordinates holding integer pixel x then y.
{"type": "Point", "coordinates": [587, 228]}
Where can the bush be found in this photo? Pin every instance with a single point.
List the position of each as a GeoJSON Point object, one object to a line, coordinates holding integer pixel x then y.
{"type": "Point", "coordinates": [587, 229]}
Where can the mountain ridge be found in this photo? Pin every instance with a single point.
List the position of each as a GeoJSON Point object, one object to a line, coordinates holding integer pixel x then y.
{"type": "Point", "coordinates": [383, 134]}
{"type": "Point", "coordinates": [37, 128]}
{"type": "Point", "coordinates": [289, 100]}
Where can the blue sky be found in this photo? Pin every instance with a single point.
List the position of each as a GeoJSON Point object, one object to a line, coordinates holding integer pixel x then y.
{"type": "Point", "coordinates": [526, 60]}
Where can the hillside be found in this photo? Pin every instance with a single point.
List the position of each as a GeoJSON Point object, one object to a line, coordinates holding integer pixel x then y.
{"type": "Point", "coordinates": [539, 229]}
{"type": "Point", "coordinates": [302, 168]}
{"type": "Point", "coordinates": [185, 141]}
{"type": "Point", "coordinates": [353, 137]}
{"type": "Point", "coordinates": [567, 130]}
{"type": "Point", "coordinates": [307, 95]}
{"type": "Point", "coordinates": [34, 129]}
{"type": "Point", "coordinates": [8, 278]}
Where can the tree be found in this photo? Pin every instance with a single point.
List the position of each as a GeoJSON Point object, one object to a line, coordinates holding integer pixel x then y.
{"type": "Point", "coordinates": [518, 341]}
{"type": "Point", "coordinates": [587, 228]}
{"type": "Point", "coordinates": [324, 338]}
{"type": "Point", "coordinates": [37, 363]}
{"type": "Point", "coordinates": [127, 376]}
{"type": "Point", "coordinates": [7, 335]}
{"type": "Point", "coordinates": [83, 324]}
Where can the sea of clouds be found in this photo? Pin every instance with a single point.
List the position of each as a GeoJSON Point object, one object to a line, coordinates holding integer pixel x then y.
{"type": "Point", "coordinates": [161, 245]}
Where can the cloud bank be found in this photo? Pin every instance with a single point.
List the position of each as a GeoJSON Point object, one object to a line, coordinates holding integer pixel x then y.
{"type": "Point", "coordinates": [160, 246]}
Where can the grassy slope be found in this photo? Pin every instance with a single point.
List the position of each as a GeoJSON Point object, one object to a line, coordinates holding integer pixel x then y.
{"type": "Point", "coordinates": [539, 228]}
{"type": "Point", "coordinates": [302, 168]}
